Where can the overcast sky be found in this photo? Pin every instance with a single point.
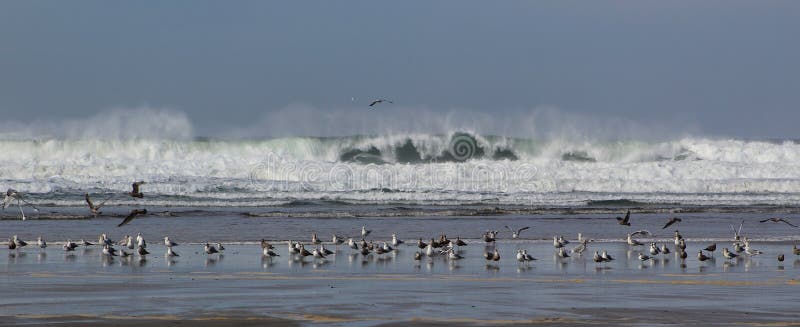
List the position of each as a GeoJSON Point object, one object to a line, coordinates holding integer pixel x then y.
{"type": "Point", "coordinates": [725, 68]}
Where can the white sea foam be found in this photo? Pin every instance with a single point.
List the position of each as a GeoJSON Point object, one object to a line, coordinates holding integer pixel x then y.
{"type": "Point", "coordinates": [270, 172]}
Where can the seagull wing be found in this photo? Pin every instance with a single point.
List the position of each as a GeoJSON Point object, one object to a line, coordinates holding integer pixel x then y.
{"type": "Point", "coordinates": [522, 229]}
{"type": "Point", "coordinates": [133, 214]}
{"type": "Point", "coordinates": [89, 201]}
{"type": "Point", "coordinates": [642, 232]}
{"type": "Point", "coordinates": [787, 222]}
{"type": "Point", "coordinates": [104, 202]}
{"type": "Point", "coordinates": [627, 217]}
{"type": "Point", "coordinates": [374, 102]}
{"type": "Point", "coordinates": [761, 221]}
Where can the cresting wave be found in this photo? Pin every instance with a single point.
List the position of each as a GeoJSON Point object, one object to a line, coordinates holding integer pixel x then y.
{"type": "Point", "coordinates": [455, 168]}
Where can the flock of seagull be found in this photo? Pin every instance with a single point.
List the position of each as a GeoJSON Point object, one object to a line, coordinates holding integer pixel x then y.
{"type": "Point", "coordinates": [441, 247]}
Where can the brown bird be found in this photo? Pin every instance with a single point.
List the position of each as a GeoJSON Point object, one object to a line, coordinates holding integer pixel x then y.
{"type": "Point", "coordinates": [135, 192]}
{"type": "Point", "coordinates": [701, 256]}
{"type": "Point", "coordinates": [778, 220]}
{"type": "Point", "coordinates": [625, 221]}
{"type": "Point", "coordinates": [671, 222]}
{"type": "Point", "coordinates": [133, 214]}
{"type": "Point", "coordinates": [780, 257]}
{"type": "Point", "coordinates": [95, 209]}
{"type": "Point", "coordinates": [711, 248]}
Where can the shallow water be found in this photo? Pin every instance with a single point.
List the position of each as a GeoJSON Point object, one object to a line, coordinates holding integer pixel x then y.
{"type": "Point", "coordinates": [351, 289]}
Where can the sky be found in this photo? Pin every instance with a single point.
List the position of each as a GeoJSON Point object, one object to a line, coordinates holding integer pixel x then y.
{"type": "Point", "coordinates": [247, 68]}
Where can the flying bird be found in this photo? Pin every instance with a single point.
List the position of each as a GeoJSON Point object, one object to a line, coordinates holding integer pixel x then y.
{"type": "Point", "coordinates": [377, 101]}
{"type": "Point", "coordinates": [95, 209]}
{"type": "Point", "coordinates": [778, 220]}
{"type": "Point", "coordinates": [625, 221]}
{"type": "Point", "coordinates": [671, 222]}
{"type": "Point", "coordinates": [133, 214]}
{"type": "Point", "coordinates": [135, 190]}
{"type": "Point", "coordinates": [515, 233]}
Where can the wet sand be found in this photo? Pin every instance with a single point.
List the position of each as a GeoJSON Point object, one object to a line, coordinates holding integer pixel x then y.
{"type": "Point", "coordinates": [242, 288]}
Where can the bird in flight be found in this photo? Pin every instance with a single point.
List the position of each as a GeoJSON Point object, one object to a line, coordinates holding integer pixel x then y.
{"type": "Point", "coordinates": [515, 233]}
{"type": "Point", "coordinates": [671, 222]}
{"type": "Point", "coordinates": [377, 101]}
{"type": "Point", "coordinates": [778, 220]}
{"type": "Point", "coordinates": [135, 192]}
{"type": "Point", "coordinates": [95, 209]}
{"type": "Point", "coordinates": [625, 221]}
{"type": "Point", "coordinates": [133, 214]}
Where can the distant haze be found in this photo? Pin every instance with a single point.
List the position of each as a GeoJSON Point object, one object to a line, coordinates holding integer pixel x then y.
{"type": "Point", "coordinates": [529, 68]}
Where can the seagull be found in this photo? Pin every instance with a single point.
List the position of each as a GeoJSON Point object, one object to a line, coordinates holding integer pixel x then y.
{"type": "Point", "coordinates": [681, 244]}
{"type": "Point", "coordinates": [711, 248]}
{"type": "Point", "coordinates": [459, 242]}
{"type": "Point", "coordinates": [654, 250]}
{"type": "Point", "coordinates": [365, 231]}
{"type": "Point", "coordinates": [749, 250]}
{"type": "Point", "coordinates": [337, 240]}
{"type": "Point", "coordinates": [171, 253]}
{"type": "Point", "coordinates": [269, 253]}
{"type": "Point", "coordinates": [135, 190]}
{"type": "Point", "coordinates": [325, 251]}
{"type": "Point", "coordinates": [682, 254]}
{"type": "Point", "coordinates": [453, 255]}
{"type": "Point", "coordinates": [377, 101]}
{"type": "Point", "coordinates": [492, 256]}
{"type": "Point", "coordinates": [129, 241]}
{"type": "Point", "coordinates": [109, 251]}
{"type": "Point", "coordinates": [11, 244]}
{"type": "Point", "coordinates": [727, 254]}
{"type": "Point", "coordinates": [417, 256]}
{"type": "Point", "coordinates": [557, 243]}
{"type": "Point", "coordinates": [210, 249]}
{"type": "Point", "coordinates": [678, 237]}
{"type": "Point", "coordinates": [421, 244]}
{"type": "Point", "coordinates": [318, 254]}
{"type": "Point", "coordinates": [664, 249]}
{"type": "Point", "coordinates": [777, 220]}
{"type": "Point", "coordinates": [738, 248]}
{"type": "Point", "coordinates": [220, 247]}
{"type": "Point", "coordinates": [606, 256]}
{"type": "Point", "coordinates": [140, 240]}
{"type": "Point", "coordinates": [644, 257]}
{"type": "Point", "coordinates": [40, 242]}
{"type": "Point", "coordinates": [94, 209]}
{"type": "Point", "coordinates": [515, 233]}
{"type": "Point", "coordinates": [625, 221]}
{"type": "Point", "coordinates": [103, 239]}
{"type": "Point", "coordinates": [86, 243]}
{"type": "Point", "coordinates": [11, 195]}
{"type": "Point", "coordinates": [169, 243]}
{"type": "Point", "coordinates": [671, 222]}
{"type": "Point", "coordinates": [701, 256]}
{"type": "Point", "coordinates": [489, 236]}
{"type": "Point", "coordinates": [562, 253]}
{"type": "Point", "coordinates": [527, 256]}
{"type": "Point", "coordinates": [133, 214]}
{"type": "Point", "coordinates": [780, 257]}
{"type": "Point", "coordinates": [396, 241]}
{"type": "Point", "coordinates": [314, 239]}
{"type": "Point", "coordinates": [581, 247]}
{"type": "Point", "coordinates": [305, 252]}
{"type": "Point", "coordinates": [19, 242]}
{"type": "Point", "coordinates": [142, 251]}
{"type": "Point", "coordinates": [352, 244]}
{"type": "Point", "coordinates": [70, 246]}
{"type": "Point", "coordinates": [795, 250]}
{"type": "Point", "coordinates": [597, 257]}
{"type": "Point", "coordinates": [634, 242]}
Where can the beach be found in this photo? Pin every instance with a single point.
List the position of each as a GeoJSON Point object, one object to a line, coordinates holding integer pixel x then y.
{"type": "Point", "coordinates": [241, 287]}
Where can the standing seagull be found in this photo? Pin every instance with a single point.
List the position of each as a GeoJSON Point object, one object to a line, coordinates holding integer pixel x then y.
{"type": "Point", "coordinates": [515, 233]}
{"type": "Point", "coordinates": [135, 190]}
{"type": "Point", "coordinates": [377, 101]}
{"type": "Point", "coordinates": [11, 195]}
{"type": "Point", "coordinates": [671, 222]}
{"type": "Point", "coordinates": [365, 231]}
{"type": "Point", "coordinates": [169, 243]}
{"type": "Point", "coordinates": [41, 242]}
{"type": "Point", "coordinates": [625, 221]}
{"type": "Point", "coordinates": [95, 209]}
{"type": "Point", "coordinates": [777, 220]}
{"type": "Point", "coordinates": [133, 214]}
